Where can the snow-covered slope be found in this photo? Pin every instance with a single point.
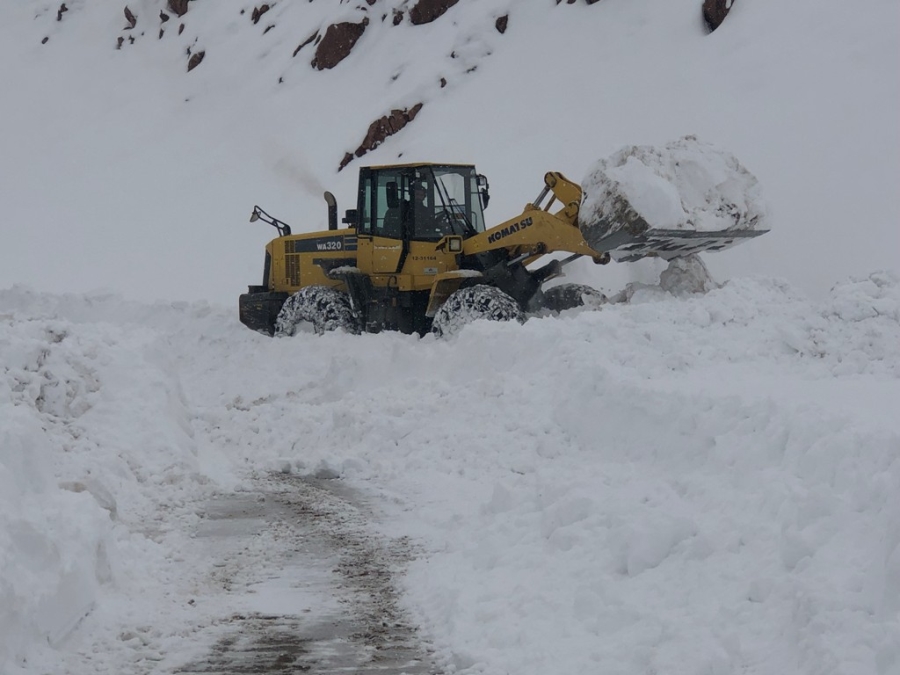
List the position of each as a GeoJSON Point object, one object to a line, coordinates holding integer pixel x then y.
{"type": "Point", "coordinates": [702, 484]}
{"type": "Point", "coordinates": [122, 171]}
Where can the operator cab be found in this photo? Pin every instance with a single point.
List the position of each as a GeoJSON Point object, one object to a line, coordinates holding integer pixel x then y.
{"type": "Point", "coordinates": [421, 202]}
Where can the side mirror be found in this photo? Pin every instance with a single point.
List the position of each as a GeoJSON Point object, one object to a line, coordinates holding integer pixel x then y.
{"type": "Point", "coordinates": [254, 216]}
{"type": "Point", "coordinates": [484, 190]}
{"type": "Point", "coordinates": [351, 217]}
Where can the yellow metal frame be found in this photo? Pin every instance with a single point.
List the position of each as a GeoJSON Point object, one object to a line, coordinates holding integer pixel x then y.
{"type": "Point", "coordinates": [432, 266]}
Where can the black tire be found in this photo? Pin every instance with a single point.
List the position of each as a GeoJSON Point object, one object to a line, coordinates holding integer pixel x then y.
{"type": "Point", "coordinates": [320, 307]}
{"type": "Point", "coordinates": [470, 304]}
{"type": "Point", "coordinates": [570, 296]}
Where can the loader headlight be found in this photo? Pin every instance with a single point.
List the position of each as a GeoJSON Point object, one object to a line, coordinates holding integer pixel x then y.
{"type": "Point", "coordinates": [454, 244]}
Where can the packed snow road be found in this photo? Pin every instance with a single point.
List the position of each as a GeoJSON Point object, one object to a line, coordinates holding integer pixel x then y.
{"type": "Point", "coordinates": [318, 595]}
{"type": "Point", "coordinates": [284, 575]}
{"type": "Point", "coordinates": [702, 484]}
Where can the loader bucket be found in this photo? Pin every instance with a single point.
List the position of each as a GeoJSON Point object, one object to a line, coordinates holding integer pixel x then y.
{"type": "Point", "coordinates": [627, 245]}
{"type": "Point", "coordinates": [671, 201]}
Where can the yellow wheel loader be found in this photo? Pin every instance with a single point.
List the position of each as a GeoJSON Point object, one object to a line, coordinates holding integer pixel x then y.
{"type": "Point", "coordinates": [415, 255]}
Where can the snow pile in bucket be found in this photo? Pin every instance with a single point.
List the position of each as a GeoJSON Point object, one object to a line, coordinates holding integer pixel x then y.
{"type": "Point", "coordinates": [686, 185]}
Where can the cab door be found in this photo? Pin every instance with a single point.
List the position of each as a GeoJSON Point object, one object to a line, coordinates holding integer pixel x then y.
{"type": "Point", "coordinates": [380, 239]}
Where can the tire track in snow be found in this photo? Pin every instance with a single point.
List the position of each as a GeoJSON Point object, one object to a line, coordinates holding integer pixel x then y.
{"type": "Point", "coordinates": [324, 602]}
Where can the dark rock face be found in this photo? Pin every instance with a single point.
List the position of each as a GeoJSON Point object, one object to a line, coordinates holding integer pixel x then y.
{"type": "Point", "coordinates": [380, 129]}
{"type": "Point", "coordinates": [426, 11]}
{"type": "Point", "coordinates": [258, 12]}
{"type": "Point", "coordinates": [195, 60]}
{"type": "Point", "coordinates": [501, 23]}
{"type": "Point", "coordinates": [305, 42]}
{"type": "Point", "coordinates": [715, 11]}
{"type": "Point", "coordinates": [337, 43]}
{"type": "Point", "coordinates": [130, 18]}
{"type": "Point", "coordinates": [180, 7]}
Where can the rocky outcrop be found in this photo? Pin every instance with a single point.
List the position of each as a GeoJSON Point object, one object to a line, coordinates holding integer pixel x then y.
{"type": "Point", "coordinates": [258, 12]}
{"type": "Point", "coordinates": [195, 60]}
{"type": "Point", "coordinates": [501, 23]}
{"type": "Point", "coordinates": [380, 129]}
{"type": "Point", "coordinates": [337, 43]}
{"type": "Point", "coordinates": [426, 11]}
{"type": "Point", "coordinates": [180, 7]}
{"type": "Point", "coordinates": [715, 11]}
{"type": "Point", "coordinates": [312, 38]}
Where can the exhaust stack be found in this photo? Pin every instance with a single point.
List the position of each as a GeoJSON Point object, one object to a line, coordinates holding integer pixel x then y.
{"type": "Point", "coordinates": [332, 210]}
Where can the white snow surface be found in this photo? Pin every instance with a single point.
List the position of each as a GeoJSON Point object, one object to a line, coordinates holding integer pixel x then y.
{"type": "Point", "coordinates": [680, 484]}
{"type": "Point", "coordinates": [692, 484]}
{"type": "Point", "coordinates": [686, 184]}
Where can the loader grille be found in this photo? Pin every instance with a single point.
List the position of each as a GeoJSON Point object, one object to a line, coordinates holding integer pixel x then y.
{"type": "Point", "coordinates": [292, 269]}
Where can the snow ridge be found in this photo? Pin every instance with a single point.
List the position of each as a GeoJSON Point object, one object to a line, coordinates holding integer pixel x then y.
{"type": "Point", "coordinates": [701, 482]}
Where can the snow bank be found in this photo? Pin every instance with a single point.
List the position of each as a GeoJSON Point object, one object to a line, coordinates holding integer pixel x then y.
{"type": "Point", "coordinates": [685, 185]}
{"type": "Point", "coordinates": [94, 437]}
{"type": "Point", "coordinates": [697, 484]}
{"type": "Point", "coordinates": [53, 541]}
{"type": "Point", "coordinates": [703, 483]}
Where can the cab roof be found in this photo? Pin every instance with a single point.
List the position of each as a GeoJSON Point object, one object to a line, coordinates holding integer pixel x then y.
{"type": "Point", "coordinates": [417, 165]}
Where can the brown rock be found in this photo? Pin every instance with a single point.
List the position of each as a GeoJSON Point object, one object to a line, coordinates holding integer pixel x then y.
{"type": "Point", "coordinates": [715, 11]}
{"type": "Point", "coordinates": [195, 60]}
{"type": "Point", "coordinates": [380, 129]}
{"type": "Point", "coordinates": [258, 12]}
{"type": "Point", "coordinates": [426, 11]}
{"type": "Point", "coordinates": [337, 43]}
{"type": "Point", "coordinates": [163, 17]}
{"type": "Point", "coordinates": [501, 23]}
{"type": "Point", "coordinates": [130, 18]}
{"type": "Point", "coordinates": [180, 7]}
{"type": "Point", "coordinates": [398, 16]}
{"type": "Point", "coordinates": [62, 10]}
{"type": "Point", "coordinates": [306, 42]}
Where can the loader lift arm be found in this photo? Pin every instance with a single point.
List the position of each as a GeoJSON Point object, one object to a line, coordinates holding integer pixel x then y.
{"type": "Point", "coordinates": [503, 252]}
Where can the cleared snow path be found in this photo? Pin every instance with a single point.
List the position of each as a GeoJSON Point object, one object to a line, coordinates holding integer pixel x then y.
{"type": "Point", "coordinates": [322, 600]}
